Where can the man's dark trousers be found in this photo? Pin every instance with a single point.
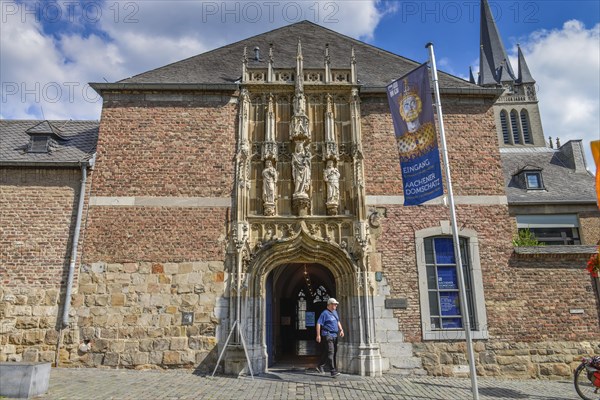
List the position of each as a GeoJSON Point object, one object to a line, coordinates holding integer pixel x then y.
{"type": "Point", "coordinates": [329, 352]}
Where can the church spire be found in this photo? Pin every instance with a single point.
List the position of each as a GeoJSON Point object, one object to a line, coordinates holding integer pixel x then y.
{"type": "Point", "coordinates": [492, 48]}
{"type": "Point", "coordinates": [524, 74]}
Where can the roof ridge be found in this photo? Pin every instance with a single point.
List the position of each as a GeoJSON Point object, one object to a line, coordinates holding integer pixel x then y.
{"type": "Point", "coordinates": [302, 28]}
{"type": "Point", "coordinates": [215, 49]}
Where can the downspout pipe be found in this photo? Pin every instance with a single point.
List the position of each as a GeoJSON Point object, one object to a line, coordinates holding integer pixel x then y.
{"type": "Point", "coordinates": [67, 303]}
{"type": "Point", "coordinates": [64, 322]}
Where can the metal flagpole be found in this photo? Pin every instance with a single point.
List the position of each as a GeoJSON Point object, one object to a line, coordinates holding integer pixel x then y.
{"type": "Point", "coordinates": [461, 277]}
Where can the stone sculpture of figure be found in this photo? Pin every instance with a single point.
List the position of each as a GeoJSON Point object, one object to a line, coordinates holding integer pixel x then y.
{"type": "Point", "coordinates": [269, 183]}
{"type": "Point", "coordinates": [300, 108]}
{"type": "Point", "coordinates": [301, 164]}
{"type": "Point", "coordinates": [331, 176]}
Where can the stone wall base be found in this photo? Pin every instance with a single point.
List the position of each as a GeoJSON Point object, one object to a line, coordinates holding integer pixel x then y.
{"type": "Point", "coordinates": [539, 360]}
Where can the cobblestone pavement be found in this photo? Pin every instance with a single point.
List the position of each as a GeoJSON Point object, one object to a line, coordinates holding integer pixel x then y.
{"type": "Point", "coordinates": [89, 384]}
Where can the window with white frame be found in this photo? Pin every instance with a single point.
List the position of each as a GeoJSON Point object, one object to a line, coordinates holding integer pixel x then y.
{"type": "Point", "coordinates": [442, 311]}
{"type": "Point", "coordinates": [551, 229]}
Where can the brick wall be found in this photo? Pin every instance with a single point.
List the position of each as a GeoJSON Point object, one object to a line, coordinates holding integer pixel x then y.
{"type": "Point", "coordinates": [590, 227]}
{"type": "Point", "coordinates": [150, 146]}
{"type": "Point", "coordinates": [471, 141]}
{"type": "Point", "coordinates": [397, 245]}
{"type": "Point", "coordinates": [132, 234]}
{"type": "Point", "coordinates": [38, 210]}
{"type": "Point", "coordinates": [145, 265]}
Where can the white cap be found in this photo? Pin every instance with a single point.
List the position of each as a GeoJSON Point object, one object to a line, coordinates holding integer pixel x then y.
{"type": "Point", "coordinates": [332, 301]}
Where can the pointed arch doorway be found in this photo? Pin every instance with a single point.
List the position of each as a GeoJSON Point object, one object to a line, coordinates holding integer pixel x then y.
{"type": "Point", "coordinates": [297, 293]}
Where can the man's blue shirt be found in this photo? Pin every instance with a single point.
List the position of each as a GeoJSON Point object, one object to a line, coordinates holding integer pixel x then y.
{"type": "Point", "coordinates": [329, 323]}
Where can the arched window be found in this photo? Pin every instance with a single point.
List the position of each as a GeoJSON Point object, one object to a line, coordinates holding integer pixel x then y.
{"type": "Point", "coordinates": [321, 295]}
{"type": "Point", "coordinates": [301, 310]}
{"type": "Point", "coordinates": [514, 124]}
{"type": "Point", "coordinates": [525, 127]}
{"type": "Point", "coordinates": [504, 126]}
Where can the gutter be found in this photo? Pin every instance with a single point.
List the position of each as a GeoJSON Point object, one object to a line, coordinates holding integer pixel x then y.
{"type": "Point", "coordinates": [551, 202]}
{"type": "Point", "coordinates": [64, 323]}
{"type": "Point", "coordinates": [476, 91]}
{"type": "Point", "coordinates": [59, 164]}
{"type": "Point", "coordinates": [100, 87]}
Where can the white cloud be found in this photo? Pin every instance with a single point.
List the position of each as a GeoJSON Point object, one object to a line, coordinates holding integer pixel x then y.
{"type": "Point", "coordinates": [46, 62]}
{"type": "Point", "coordinates": [566, 66]}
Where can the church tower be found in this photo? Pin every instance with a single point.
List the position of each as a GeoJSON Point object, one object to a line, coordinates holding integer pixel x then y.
{"type": "Point", "coordinates": [516, 112]}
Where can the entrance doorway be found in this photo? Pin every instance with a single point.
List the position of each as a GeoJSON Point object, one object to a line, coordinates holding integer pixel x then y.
{"type": "Point", "coordinates": [296, 295]}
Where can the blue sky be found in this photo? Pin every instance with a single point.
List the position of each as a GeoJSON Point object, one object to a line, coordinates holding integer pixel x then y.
{"type": "Point", "coordinates": [50, 50]}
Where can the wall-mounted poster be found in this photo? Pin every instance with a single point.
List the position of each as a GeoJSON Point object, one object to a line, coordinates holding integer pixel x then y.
{"type": "Point", "coordinates": [310, 318]}
{"type": "Point", "coordinates": [449, 303]}
{"type": "Point", "coordinates": [447, 278]}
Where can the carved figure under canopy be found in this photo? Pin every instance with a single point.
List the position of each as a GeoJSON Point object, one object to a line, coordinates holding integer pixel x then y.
{"type": "Point", "coordinates": [301, 164]}
{"type": "Point", "coordinates": [331, 175]}
{"type": "Point", "coordinates": [269, 183]}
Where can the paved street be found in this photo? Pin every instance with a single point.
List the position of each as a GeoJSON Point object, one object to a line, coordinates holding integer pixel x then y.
{"type": "Point", "coordinates": [88, 384]}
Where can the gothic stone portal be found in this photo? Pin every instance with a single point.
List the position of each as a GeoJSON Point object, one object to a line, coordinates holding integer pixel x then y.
{"type": "Point", "coordinates": [285, 259]}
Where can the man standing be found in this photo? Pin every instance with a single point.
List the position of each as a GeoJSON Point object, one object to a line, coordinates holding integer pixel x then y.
{"type": "Point", "coordinates": [328, 330]}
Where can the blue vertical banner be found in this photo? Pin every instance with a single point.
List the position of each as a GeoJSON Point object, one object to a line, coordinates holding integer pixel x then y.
{"type": "Point", "coordinates": [412, 114]}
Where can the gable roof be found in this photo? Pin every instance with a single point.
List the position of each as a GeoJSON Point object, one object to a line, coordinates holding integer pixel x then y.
{"type": "Point", "coordinates": [71, 142]}
{"type": "Point", "coordinates": [563, 185]}
{"type": "Point", "coordinates": [375, 67]}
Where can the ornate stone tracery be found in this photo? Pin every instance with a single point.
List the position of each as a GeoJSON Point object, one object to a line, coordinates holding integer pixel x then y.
{"type": "Point", "coordinates": [301, 191]}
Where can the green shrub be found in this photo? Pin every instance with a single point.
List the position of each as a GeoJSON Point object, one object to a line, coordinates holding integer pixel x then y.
{"type": "Point", "coordinates": [525, 238]}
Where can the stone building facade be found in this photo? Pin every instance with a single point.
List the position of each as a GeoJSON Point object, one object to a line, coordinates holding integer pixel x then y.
{"type": "Point", "coordinates": [229, 194]}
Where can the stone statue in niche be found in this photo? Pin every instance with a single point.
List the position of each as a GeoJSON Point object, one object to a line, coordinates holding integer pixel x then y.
{"type": "Point", "coordinates": [301, 164]}
{"type": "Point", "coordinates": [270, 177]}
{"type": "Point", "coordinates": [300, 106]}
{"type": "Point", "coordinates": [331, 176]}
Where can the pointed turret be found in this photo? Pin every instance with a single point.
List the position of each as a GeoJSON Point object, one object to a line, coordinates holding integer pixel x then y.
{"type": "Point", "coordinates": [487, 75]}
{"type": "Point", "coordinates": [492, 47]}
{"type": "Point", "coordinates": [503, 74]}
{"type": "Point", "coordinates": [270, 76]}
{"type": "Point", "coordinates": [471, 77]}
{"type": "Point", "coordinates": [524, 74]}
{"type": "Point", "coordinates": [299, 67]}
{"type": "Point", "coordinates": [353, 77]}
{"type": "Point", "coordinates": [327, 64]}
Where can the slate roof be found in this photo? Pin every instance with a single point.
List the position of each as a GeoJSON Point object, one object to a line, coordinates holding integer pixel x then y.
{"type": "Point", "coordinates": [375, 67]}
{"type": "Point", "coordinates": [71, 143]}
{"type": "Point", "coordinates": [563, 184]}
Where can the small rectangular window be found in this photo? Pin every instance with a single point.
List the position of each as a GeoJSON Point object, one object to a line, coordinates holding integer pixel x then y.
{"type": "Point", "coordinates": [552, 229]}
{"type": "Point", "coordinates": [38, 144]}
{"type": "Point", "coordinates": [533, 180]}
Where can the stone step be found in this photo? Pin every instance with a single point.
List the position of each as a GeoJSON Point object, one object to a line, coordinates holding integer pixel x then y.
{"type": "Point", "coordinates": [396, 350]}
{"type": "Point", "coordinates": [405, 363]}
{"type": "Point", "coordinates": [406, 371]}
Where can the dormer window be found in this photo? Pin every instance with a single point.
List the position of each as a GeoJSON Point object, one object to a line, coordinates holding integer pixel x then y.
{"type": "Point", "coordinates": [533, 180]}
{"type": "Point", "coordinates": [38, 144]}
{"type": "Point", "coordinates": [528, 177]}
{"type": "Point", "coordinates": [40, 135]}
